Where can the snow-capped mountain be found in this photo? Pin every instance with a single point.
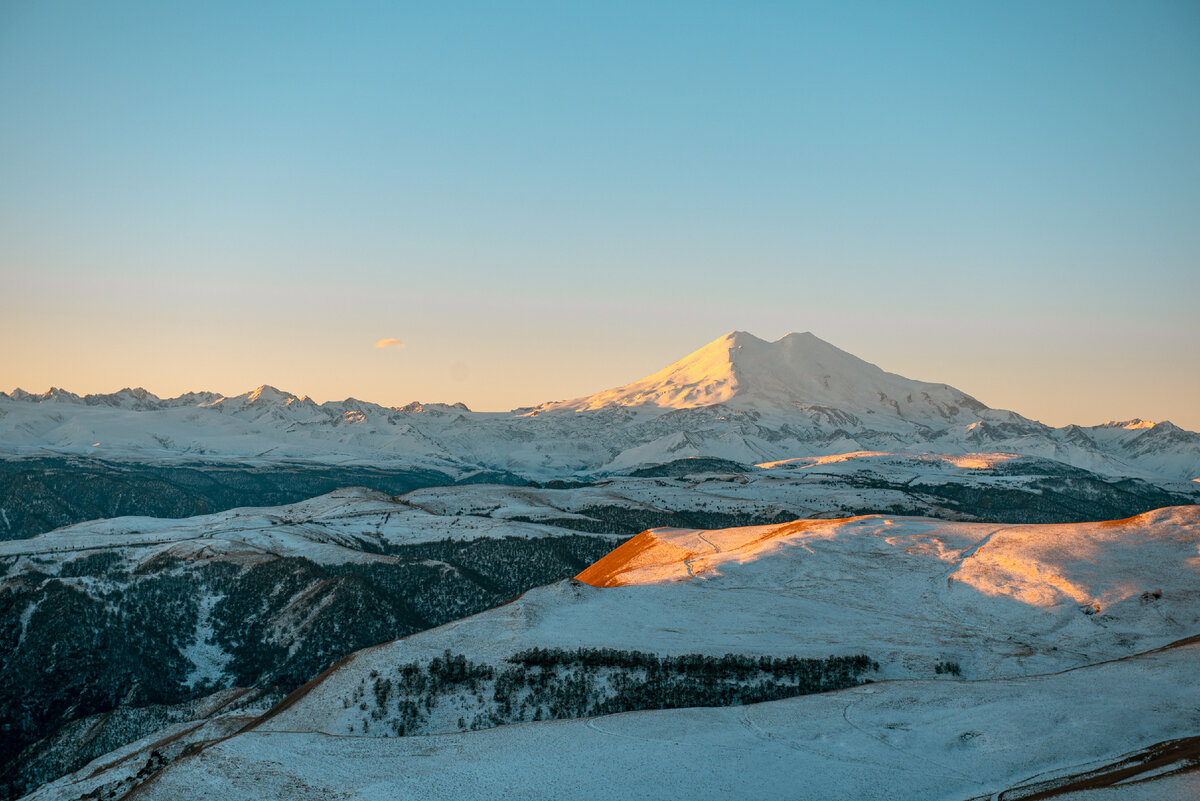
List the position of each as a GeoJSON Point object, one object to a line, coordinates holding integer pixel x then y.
{"type": "Point", "coordinates": [737, 398]}
{"type": "Point", "coordinates": [797, 373]}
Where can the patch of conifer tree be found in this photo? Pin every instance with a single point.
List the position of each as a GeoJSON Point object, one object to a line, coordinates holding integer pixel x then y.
{"type": "Point", "coordinates": [545, 683]}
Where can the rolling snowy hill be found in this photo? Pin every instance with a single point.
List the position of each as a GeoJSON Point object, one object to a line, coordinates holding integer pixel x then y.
{"type": "Point", "coordinates": [1098, 733]}
{"type": "Point", "coordinates": [1049, 623]}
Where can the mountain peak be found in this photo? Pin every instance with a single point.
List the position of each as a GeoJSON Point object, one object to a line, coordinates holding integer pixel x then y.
{"type": "Point", "coordinates": [268, 394]}
{"type": "Point", "coordinates": [61, 395]}
{"type": "Point", "coordinates": [1135, 424]}
{"type": "Point", "coordinates": [702, 378]}
{"type": "Point", "coordinates": [130, 398]}
{"type": "Point", "coordinates": [797, 371]}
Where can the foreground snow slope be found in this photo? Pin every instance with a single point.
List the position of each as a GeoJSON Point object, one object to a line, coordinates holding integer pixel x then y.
{"type": "Point", "coordinates": [997, 601]}
{"type": "Point", "coordinates": [112, 628]}
{"type": "Point", "coordinates": [900, 739]}
{"type": "Point", "coordinates": [738, 398]}
{"type": "Point", "coordinates": [1078, 640]}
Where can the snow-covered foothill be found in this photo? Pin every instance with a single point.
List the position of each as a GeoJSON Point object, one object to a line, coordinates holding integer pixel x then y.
{"type": "Point", "coordinates": [1080, 679]}
{"type": "Point", "coordinates": [347, 525]}
{"type": "Point", "coordinates": [937, 740]}
{"type": "Point", "coordinates": [995, 601]}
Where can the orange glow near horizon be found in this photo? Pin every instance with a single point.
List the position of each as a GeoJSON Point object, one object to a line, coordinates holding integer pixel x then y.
{"type": "Point", "coordinates": [492, 374]}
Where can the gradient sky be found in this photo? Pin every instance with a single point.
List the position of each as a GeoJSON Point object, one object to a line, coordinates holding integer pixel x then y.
{"type": "Point", "coordinates": [543, 200]}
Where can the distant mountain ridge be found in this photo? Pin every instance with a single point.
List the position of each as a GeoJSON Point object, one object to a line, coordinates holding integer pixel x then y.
{"type": "Point", "coordinates": [139, 399]}
{"type": "Point", "coordinates": [738, 398]}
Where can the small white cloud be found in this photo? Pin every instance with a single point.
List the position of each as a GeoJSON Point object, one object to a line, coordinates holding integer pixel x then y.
{"type": "Point", "coordinates": [390, 342]}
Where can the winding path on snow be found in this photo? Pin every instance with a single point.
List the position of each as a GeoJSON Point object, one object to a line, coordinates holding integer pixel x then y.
{"type": "Point", "coordinates": [688, 562]}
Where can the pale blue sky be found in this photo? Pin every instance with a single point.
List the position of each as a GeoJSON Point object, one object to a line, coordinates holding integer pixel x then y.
{"type": "Point", "coordinates": [546, 199]}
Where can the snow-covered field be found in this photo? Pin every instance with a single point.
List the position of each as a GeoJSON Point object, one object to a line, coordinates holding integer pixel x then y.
{"type": "Point", "coordinates": [1072, 640]}
{"type": "Point", "coordinates": [890, 740]}
{"type": "Point", "coordinates": [998, 601]}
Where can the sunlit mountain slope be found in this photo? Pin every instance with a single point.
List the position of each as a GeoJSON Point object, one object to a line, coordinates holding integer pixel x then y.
{"type": "Point", "coordinates": [796, 373]}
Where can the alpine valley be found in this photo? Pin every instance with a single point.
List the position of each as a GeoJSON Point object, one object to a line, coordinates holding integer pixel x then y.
{"type": "Point", "coordinates": [771, 570]}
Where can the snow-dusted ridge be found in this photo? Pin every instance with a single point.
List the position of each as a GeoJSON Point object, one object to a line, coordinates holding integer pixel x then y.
{"type": "Point", "coordinates": [738, 398]}
{"type": "Point", "coordinates": [348, 525]}
{"type": "Point", "coordinates": [999, 600]}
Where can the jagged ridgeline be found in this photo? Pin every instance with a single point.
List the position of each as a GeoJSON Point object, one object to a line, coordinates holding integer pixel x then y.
{"type": "Point", "coordinates": [737, 399]}
{"type": "Point", "coordinates": [451, 692]}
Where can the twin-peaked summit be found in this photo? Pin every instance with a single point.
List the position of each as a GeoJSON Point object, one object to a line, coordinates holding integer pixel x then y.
{"type": "Point", "coordinates": [797, 372]}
